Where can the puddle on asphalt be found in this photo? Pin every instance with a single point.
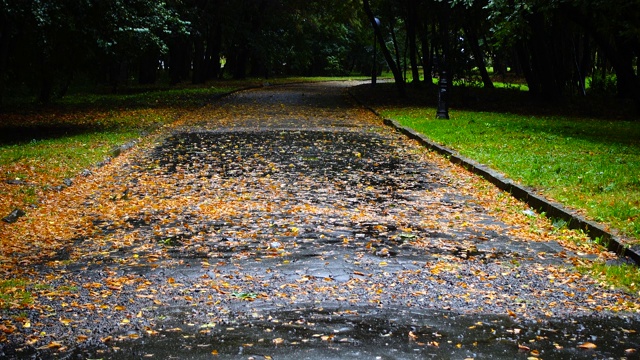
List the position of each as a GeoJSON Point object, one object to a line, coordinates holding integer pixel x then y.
{"type": "Point", "coordinates": [352, 333]}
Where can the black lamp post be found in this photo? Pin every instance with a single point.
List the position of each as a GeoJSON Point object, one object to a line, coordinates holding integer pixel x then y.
{"type": "Point", "coordinates": [374, 70]}
{"type": "Point", "coordinates": [443, 105]}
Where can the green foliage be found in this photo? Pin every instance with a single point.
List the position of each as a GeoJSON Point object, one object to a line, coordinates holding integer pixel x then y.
{"type": "Point", "coordinates": [602, 85]}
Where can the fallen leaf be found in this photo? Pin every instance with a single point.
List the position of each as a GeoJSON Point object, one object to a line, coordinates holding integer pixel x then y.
{"type": "Point", "coordinates": [523, 348]}
{"type": "Point", "coordinates": [51, 345]}
{"type": "Point", "coordinates": [106, 339]}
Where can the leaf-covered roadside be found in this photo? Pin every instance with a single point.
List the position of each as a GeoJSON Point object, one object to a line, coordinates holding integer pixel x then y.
{"type": "Point", "coordinates": [45, 149]}
{"type": "Point", "coordinates": [274, 200]}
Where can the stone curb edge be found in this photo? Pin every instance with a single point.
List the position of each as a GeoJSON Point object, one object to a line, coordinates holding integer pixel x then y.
{"type": "Point", "coordinates": [550, 209]}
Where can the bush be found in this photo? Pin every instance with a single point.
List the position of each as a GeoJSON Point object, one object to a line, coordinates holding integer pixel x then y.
{"type": "Point", "coordinates": [598, 84]}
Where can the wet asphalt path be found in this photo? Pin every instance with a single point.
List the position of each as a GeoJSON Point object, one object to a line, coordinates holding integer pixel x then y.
{"type": "Point", "coordinates": [286, 222]}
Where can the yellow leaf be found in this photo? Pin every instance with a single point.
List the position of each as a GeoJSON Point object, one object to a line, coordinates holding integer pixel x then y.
{"type": "Point", "coordinates": [51, 345]}
{"type": "Point", "coordinates": [150, 331]}
{"type": "Point", "coordinates": [523, 347]}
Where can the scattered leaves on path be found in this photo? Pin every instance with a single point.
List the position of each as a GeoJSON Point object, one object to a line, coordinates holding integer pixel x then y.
{"type": "Point", "coordinates": [273, 199]}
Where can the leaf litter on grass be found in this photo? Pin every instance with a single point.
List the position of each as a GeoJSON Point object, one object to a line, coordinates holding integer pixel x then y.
{"type": "Point", "coordinates": [268, 200]}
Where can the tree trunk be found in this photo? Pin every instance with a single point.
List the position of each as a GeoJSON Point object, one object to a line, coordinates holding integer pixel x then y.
{"type": "Point", "coordinates": [179, 60]}
{"type": "Point", "coordinates": [622, 61]}
{"type": "Point", "coordinates": [148, 68]}
{"type": "Point", "coordinates": [427, 53]}
{"type": "Point", "coordinates": [4, 55]}
{"type": "Point", "coordinates": [586, 62]}
{"type": "Point", "coordinates": [46, 80]}
{"type": "Point", "coordinates": [547, 58]}
{"type": "Point", "coordinates": [240, 64]}
{"type": "Point", "coordinates": [46, 88]}
{"type": "Point", "coordinates": [525, 64]}
{"type": "Point", "coordinates": [396, 48]}
{"type": "Point", "coordinates": [411, 23]}
{"type": "Point", "coordinates": [212, 53]}
{"type": "Point", "coordinates": [198, 76]}
{"type": "Point", "coordinates": [478, 56]}
{"type": "Point", "coordinates": [400, 85]}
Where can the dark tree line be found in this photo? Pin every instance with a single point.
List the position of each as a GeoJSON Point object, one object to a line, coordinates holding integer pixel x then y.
{"type": "Point", "coordinates": [46, 45]}
{"type": "Point", "coordinates": [560, 47]}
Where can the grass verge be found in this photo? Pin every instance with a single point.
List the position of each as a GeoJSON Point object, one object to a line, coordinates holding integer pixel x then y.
{"type": "Point", "coordinates": [623, 276]}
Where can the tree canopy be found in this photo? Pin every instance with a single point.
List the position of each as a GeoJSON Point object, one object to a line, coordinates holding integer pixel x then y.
{"type": "Point", "coordinates": [561, 47]}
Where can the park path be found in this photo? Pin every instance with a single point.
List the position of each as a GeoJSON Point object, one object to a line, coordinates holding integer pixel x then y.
{"type": "Point", "coordinates": [288, 222]}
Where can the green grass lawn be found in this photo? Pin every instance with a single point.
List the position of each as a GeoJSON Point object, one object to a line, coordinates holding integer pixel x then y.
{"type": "Point", "coordinates": [592, 165]}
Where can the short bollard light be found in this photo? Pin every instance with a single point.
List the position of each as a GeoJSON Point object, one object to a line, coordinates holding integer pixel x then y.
{"type": "Point", "coordinates": [443, 106]}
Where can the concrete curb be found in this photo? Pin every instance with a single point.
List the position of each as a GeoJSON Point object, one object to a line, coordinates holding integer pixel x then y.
{"type": "Point", "coordinates": [550, 209]}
